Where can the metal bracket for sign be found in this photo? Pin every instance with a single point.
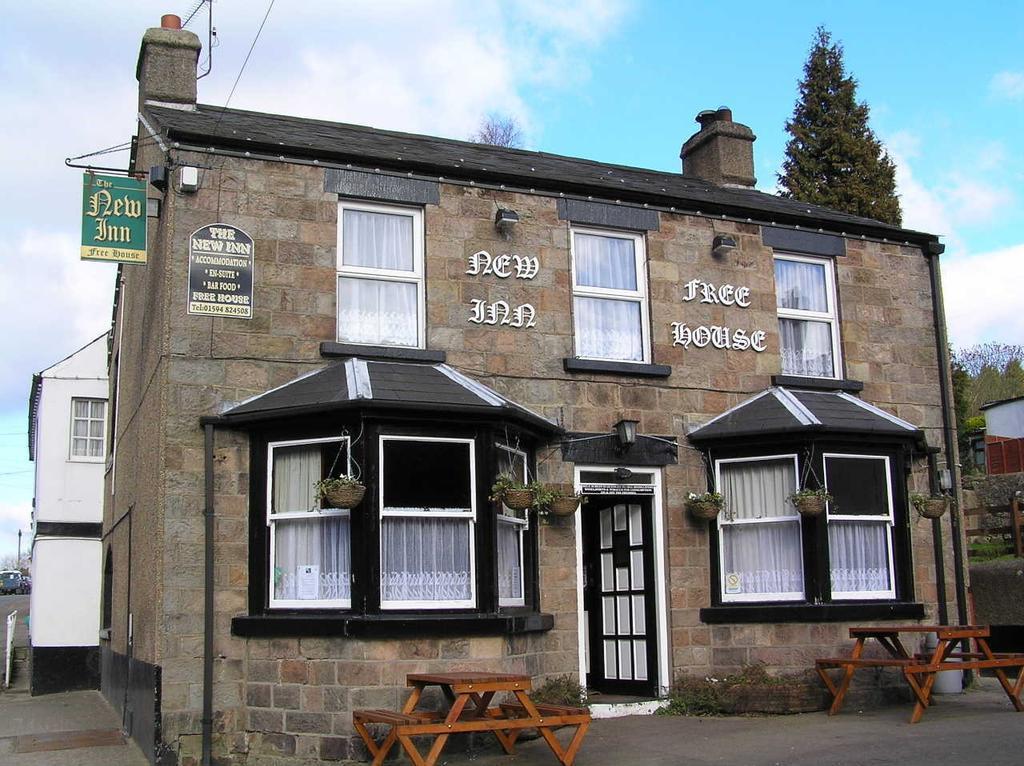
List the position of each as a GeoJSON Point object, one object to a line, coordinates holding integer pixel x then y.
{"type": "Point", "coordinates": [617, 489]}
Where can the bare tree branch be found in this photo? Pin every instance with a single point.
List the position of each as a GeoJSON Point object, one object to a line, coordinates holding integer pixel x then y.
{"type": "Point", "coordinates": [499, 130]}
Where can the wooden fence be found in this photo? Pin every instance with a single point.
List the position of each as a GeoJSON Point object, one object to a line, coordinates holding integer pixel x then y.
{"type": "Point", "coordinates": [1011, 534]}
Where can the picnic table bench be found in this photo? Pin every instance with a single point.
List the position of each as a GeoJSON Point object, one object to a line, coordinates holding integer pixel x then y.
{"type": "Point", "coordinates": [469, 697]}
{"type": "Point", "coordinates": [919, 669]}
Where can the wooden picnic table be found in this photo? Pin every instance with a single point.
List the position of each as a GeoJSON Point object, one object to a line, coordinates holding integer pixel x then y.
{"type": "Point", "coordinates": [919, 669]}
{"type": "Point", "coordinates": [469, 696]}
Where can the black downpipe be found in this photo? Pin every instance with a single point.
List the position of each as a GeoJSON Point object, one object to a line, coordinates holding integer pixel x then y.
{"type": "Point", "coordinates": [933, 251]}
{"type": "Point", "coordinates": [208, 602]}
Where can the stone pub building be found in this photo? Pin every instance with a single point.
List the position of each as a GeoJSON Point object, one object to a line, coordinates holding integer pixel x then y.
{"type": "Point", "coordinates": [429, 314]}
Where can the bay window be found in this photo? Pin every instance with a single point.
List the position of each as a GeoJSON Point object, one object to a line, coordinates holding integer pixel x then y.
{"type": "Point", "coordinates": [310, 543]}
{"type": "Point", "coordinates": [609, 296]}
{"type": "Point", "coordinates": [759, 529]}
{"type": "Point", "coordinates": [860, 522]}
{"type": "Point", "coordinates": [428, 515]}
{"type": "Point", "coordinates": [512, 527]}
{"type": "Point", "coordinates": [380, 275]}
{"type": "Point", "coordinates": [808, 329]}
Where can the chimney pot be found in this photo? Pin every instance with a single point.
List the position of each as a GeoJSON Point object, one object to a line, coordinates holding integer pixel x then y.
{"type": "Point", "coordinates": [721, 151]}
{"type": "Point", "coordinates": [170, 21]}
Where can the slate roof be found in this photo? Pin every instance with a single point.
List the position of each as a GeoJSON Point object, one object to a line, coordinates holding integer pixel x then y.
{"type": "Point", "coordinates": [371, 148]}
{"type": "Point", "coordinates": [390, 385]}
{"type": "Point", "coordinates": [779, 410]}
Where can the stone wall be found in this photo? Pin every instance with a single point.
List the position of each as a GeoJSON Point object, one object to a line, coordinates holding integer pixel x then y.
{"type": "Point", "coordinates": [295, 696]}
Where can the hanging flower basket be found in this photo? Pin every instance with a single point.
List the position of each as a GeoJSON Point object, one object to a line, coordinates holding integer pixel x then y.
{"type": "Point", "coordinates": [933, 507]}
{"type": "Point", "coordinates": [564, 506]}
{"type": "Point", "coordinates": [811, 502]}
{"type": "Point", "coordinates": [343, 492]}
{"type": "Point", "coordinates": [704, 507]}
{"type": "Point", "coordinates": [517, 499]}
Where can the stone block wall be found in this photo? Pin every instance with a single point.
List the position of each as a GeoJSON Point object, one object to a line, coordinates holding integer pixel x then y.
{"type": "Point", "coordinates": [294, 697]}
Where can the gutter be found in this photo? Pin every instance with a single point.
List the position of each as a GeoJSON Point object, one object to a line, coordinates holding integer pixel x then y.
{"type": "Point", "coordinates": [933, 250]}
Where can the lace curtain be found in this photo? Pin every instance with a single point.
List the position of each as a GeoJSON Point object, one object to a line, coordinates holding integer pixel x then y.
{"type": "Point", "coordinates": [607, 328]}
{"type": "Point", "coordinates": [510, 573]}
{"type": "Point", "coordinates": [859, 555]}
{"type": "Point", "coordinates": [761, 557]}
{"type": "Point", "coordinates": [806, 347]}
{"type": "Point", "coordinates": [425, 559]}
{"type": "Point", "coordinates": [319, 541]}
{"type": "Point", "coordinates": [376, 311]}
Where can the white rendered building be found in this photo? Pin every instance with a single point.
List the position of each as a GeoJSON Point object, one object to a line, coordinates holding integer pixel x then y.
{"type": "Point", "coordinates": [68, 434]}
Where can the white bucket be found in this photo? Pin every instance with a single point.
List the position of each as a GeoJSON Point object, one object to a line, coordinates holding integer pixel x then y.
{"type": "Point", "coordinates": [946, 681]}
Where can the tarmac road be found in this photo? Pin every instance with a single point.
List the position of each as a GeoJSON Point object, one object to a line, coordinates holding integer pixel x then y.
{"type": "Point", "coordinates": [7, 605]}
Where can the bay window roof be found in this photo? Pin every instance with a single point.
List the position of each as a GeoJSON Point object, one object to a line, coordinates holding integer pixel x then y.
{"type": "Point", "coordinates": [359, 383]}
{"type": "Point", "coordinates": [780, 410]}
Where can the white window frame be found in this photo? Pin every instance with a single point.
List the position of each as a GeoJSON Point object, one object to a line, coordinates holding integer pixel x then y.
{"type": "Point", "coordinates": [276, 603]}
{"type": "Point", "coordinates": [469, 516]}
{"type": "Point", "coordinates": [831, 316]}
{"type": "Point", "coordinates": [722, 522]}
{"type": "Point", "coordinates": [640, 295]}
{"type": "Point", "coordinates": [414, 277]}
{"type": "Point", "coordinates": [102, 438]}
{"type": "Point", "coordinates": [523, 525]}
{"type": "Point", "coordinates": [888, 518]}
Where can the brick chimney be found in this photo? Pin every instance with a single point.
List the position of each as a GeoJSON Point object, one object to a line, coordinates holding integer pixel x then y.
{"type": "Point", "coordinates": [721, 152]}
{"type": "Point", "coordinates": [167, 65]}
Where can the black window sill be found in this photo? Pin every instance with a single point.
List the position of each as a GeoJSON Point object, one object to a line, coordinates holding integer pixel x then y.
{"type": "Point", "coordinates": [389, 625]}
{"type": "Point", "coordinates": [846, 612]}
{"type": "Point", "coordinates": [818, 384]}
{"type": "Point", "coordinates": [333, 349]}
{"type": "Point", "coordinates": [600, 366]}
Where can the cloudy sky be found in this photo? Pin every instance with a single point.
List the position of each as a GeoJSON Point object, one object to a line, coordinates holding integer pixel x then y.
{"type": "Point", "coordinates": [611, 80]}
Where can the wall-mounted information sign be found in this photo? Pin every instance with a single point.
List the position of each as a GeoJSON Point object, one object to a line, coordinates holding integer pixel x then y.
{"type": "Point", "coordinates": [220, 260]}
{"type": "Point", "coordinates": [113, 219]}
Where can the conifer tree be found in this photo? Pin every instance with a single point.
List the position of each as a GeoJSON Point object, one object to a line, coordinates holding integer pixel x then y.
{"type": "Point", "coordinates": [833, 158]}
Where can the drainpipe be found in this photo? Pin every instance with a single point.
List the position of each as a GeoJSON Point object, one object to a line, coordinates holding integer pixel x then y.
{"type": "Point", "coordinates": [937, 553]}
{"type": "Point", "coordinates": [207, 721]}
{"type": "Point", "coordinates": [932, 251]}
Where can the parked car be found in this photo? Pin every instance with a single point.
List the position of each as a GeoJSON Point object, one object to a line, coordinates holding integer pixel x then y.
{"type": "Point", "coordinates": [13, 582]}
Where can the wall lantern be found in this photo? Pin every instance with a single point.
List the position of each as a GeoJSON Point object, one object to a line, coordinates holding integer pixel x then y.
{"type": "Point", "coordinates": [505, 220]}
{"type": "Point", "coordinates": [722, 245]}
{"type": "Point", "coordinates": [625, 432]}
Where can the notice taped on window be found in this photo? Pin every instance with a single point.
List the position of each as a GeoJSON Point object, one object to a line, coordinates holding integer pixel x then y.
{"type": "Point", "coordinates": [220, 262]}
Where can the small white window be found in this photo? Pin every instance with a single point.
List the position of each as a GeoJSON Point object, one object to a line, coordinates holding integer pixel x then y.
{"type": "Point", "coordinates": [808, 330]}
{"type": "Point", "coordinates": [310, 544]}
{"type": "Point", "coordinates": [428, 519]}
{"type": "Point", "coordinates": [610, 296]}
{"type": "Point", "coordinates": [860, 522]}
{"type": "Point", "coordinates": [88, 425]}
{"type": "Point", "coordinates": [380, 275]}
{"type": "Point", "coordinates": [761, 553]}
{"type": "Point", "coordinates": [512, 526]}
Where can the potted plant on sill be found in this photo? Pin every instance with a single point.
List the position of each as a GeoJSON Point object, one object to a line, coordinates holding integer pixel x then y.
{"type": "Point", "coordinates": [705, 506]}
{"type": "Point", "coordinates": [513, 494]}
{"type": "Point", "coordinates": [811, 502]}
{"type": "Point", "coordinates": [930, 506]}
{"type": "Point", "coordinates": [340, 492]}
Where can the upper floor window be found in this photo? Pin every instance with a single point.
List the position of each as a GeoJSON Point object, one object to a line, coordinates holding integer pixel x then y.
{"type": "Point", "coordinates": [610, 296]}
{"type": "Point", "coordinates": [808, 330]}
{"type": "Point", "coordinates": [380, 275]}
{"type": "Point", "coordinates": [88, 424]}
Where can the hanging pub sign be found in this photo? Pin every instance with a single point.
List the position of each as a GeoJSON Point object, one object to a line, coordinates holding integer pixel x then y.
{"type": "Point", "coordinates": [220, 260]}
{"type": "Point", "coordinates": [113, 219]}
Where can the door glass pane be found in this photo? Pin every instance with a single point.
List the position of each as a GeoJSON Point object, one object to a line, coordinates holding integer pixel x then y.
{"type": "Point", "coordinates": [636, 527]}
{"type": "Point", "coordinates": [800, 285]}
{"type": "Point", "coordinates": [639, 615]}
{"type": "Point", "coordinates": [636, 568]}
{"type": "Point", "coordinates": [605, 262]}
{"type": "Point", "coordinates": [622, 578]}
{"type": "Point", "coordinates": [606, 528]}
{"type": "Point", "coordinates": [610, 665]}
{"type": "Point", "coordinates": [607, 572]}
{"type": "Point", "coordinates": [625, 660]}
{"type": "Point", "coordinates": [377, 240]}
{"type": "Point", "coordinates": [608, 615]}
{"type": "Point", "coordinates": [623, 615]}
{"type": "Point", "coordinates": [640, 660]}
